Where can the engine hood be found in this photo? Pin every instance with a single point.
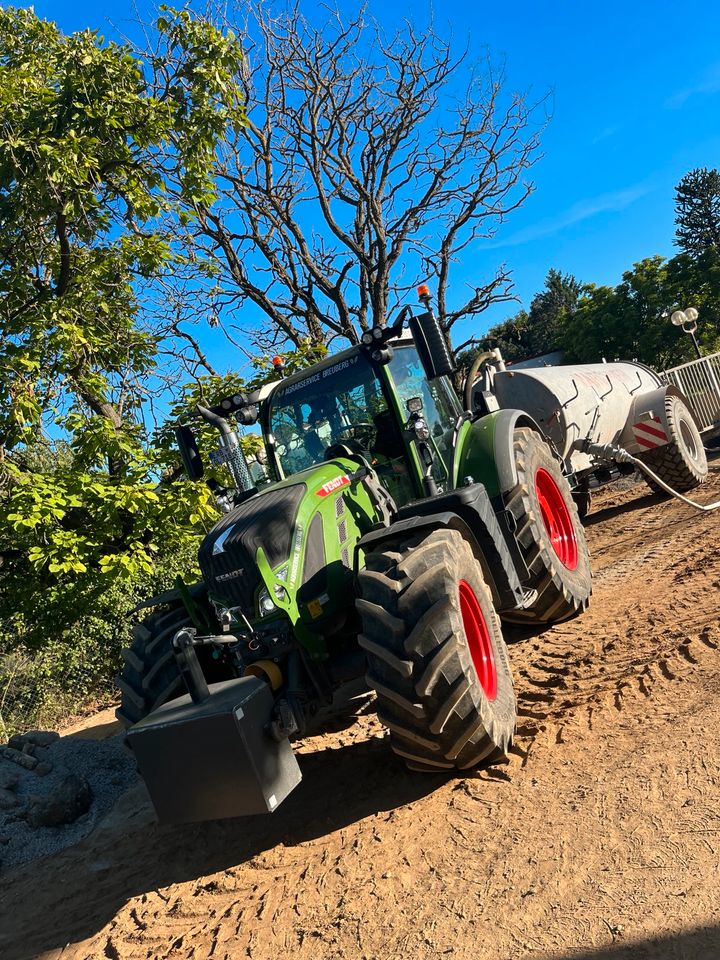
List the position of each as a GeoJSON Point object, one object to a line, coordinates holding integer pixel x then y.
{"type": "Point", "coordinates": [286, 538]}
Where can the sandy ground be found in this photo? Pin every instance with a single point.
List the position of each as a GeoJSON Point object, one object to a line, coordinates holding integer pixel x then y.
{"type": "Point", "coordinates": [599, 839]}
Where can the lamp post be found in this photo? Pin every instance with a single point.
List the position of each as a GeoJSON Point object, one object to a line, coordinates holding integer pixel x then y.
{"type": "Point", "coordinates": [687, 319]}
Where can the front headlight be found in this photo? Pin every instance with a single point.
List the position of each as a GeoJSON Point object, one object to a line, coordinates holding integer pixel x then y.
{"type": "Point", "coordinates": [266, 604]}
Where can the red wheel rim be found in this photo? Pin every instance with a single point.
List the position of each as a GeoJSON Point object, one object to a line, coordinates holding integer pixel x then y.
{"type": "Point", "coordinates": [557, 519]}
{"type": "Point", "coordinates": [478, 640]}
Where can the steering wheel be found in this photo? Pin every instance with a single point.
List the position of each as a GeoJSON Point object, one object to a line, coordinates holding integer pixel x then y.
{"type": "Point", "coordinates": [362, 431]}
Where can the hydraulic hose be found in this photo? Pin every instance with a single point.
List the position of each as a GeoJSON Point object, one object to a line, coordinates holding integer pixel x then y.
{"type": "Point", "coordinates": [609, 451]}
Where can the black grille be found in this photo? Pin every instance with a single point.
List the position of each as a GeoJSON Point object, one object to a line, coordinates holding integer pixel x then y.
{"type": "Point", "coordinates": [263, 521]}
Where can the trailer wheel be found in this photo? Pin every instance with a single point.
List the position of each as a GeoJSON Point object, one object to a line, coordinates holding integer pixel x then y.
{"type": "Point", "coordinates": [681, 463]}
{"type": "Point", "coordinates": [149, 675]}
{"type": "Point", "coordinates": [549, 533]}
{"type": "Point", "coordinates": [436, 656]}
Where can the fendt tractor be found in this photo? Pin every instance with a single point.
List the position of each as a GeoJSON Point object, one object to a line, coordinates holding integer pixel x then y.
{"type": "Point", "coordinates": [392, 533]}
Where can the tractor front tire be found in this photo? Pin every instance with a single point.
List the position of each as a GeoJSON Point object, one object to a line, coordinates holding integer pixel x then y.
{"type": "Point", "coordinates": [436, 656]}
{"type": "Point", "coordinates": [150, 675]}
{"type": "Point", "coordinates": [549, 533]}
{"type": "Point", "coordinates": [681, 463]}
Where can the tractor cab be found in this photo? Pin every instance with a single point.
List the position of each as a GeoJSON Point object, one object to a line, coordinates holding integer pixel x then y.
{"type": "Point", "coordinates": [351, 403]}
{"type": "Point", "coordinates": [388, 402]}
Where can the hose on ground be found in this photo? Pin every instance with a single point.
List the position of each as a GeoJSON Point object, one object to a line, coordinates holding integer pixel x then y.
{"type": "Point", "coordinates": [609, 451]}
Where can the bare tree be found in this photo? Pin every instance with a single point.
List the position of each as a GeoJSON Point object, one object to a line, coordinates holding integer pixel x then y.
{"type": "Point", "coordinates": [369, 163]}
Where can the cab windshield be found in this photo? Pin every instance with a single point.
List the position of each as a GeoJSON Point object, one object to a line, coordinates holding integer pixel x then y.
{"type": "Point", "coordinates": [341, 404]}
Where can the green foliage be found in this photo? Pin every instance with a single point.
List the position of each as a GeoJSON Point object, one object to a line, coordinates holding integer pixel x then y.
{"type": "Point", "coordinates": [89, 141]}
{"type": "Point", "coordinates": [697, 203]}
{"type": "Point", "coordinates": [626, 322]}
{"type": "Point", "coordinates": [537, 331]}
{"type": "Point", "coordinates": [62, 654]}
{"type": "Point", "coordinates": [631, 321]}
{"type": "Point", "coordinates": [86, 144]}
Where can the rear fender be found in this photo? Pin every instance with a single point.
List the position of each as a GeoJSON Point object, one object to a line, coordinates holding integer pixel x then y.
{"type": "Point", "coordinates": [478, 525]}
{"type": "Point", "coordinates": [646, 427]}
{"type": "Point", "coordinates": [486, 450]}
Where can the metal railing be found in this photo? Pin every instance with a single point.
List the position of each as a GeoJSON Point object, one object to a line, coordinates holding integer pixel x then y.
{"type": "Point", "coordinates": [699, 380]}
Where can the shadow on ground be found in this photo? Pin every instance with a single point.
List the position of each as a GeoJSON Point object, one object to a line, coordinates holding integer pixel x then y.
{"type": "Point", "coordinates": [130, 854]}
{"type": "Point", "coordinates": [702, 943]}
{"type": "Point", "coordinates": [638, 503]}
{"type": "Point", "coordinates": [650, 498]}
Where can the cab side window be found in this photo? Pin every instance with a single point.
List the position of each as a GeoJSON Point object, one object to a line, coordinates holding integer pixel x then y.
{"type": "Point", "coordinates": [441, 407]}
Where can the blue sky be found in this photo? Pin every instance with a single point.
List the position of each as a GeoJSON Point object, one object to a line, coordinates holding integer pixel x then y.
{"type": "Point", "coordinates": [635, 104]}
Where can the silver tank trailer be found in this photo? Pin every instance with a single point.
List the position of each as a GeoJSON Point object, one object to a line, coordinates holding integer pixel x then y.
{"type": "Point", "coordinates": [595, 401]}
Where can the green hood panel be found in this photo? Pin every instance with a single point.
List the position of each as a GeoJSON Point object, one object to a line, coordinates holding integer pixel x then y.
{"type": "Point", "coordinates": [296, 541]}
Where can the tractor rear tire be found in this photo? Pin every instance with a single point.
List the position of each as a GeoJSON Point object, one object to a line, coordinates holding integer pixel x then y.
{"type": "Point", "coordinates": [436, 656]}
{"type": "Point", "coordinates": [549, 533]}
{"type": "Point", "coordinates": [681, 463]}
{"type": "Point", "coordinates": [150, 675]}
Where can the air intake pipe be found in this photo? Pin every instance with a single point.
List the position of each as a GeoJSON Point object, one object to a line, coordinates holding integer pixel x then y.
{"type": "Point", "coordinates": [231, 453]}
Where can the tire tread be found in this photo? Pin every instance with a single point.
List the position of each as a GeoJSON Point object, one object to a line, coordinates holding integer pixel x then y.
{"type": "Point", "coordinates": [420, 666]}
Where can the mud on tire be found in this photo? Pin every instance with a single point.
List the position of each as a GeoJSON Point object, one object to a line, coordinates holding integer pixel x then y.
{"type": "Point", "coordinates": [549, 532]}
{"type": "Point", "coordinates": [681, 463]}
{"type": "Point", "coordinates": [444, 703]}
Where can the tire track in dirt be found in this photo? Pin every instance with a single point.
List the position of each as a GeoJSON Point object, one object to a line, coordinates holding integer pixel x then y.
{"type": "Point", "coordinates": [629, 639]}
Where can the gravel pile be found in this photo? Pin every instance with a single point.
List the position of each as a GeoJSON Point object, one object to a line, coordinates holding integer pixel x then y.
{"type": "Point", "coordinates": [54, 790]}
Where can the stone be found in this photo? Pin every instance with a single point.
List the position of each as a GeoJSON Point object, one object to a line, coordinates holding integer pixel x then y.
{"type": "Point", "coordinates": [41, 738]}
{"type": "Point", "coordinates": [33, 738]}
{"type": "Point", "coordinates": [8, 800]}
{"type": "Point", "coordinates": [21, 759]}
{"type": "Point", "coordinates": [8, 778]}
{"type": "Point", "coordinates": [43, 768]}
{"type": "Point", "coordinates": [67, 801]}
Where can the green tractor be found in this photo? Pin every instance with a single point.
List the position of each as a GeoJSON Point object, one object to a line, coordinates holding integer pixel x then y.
{"type": "Point", "coordinates": [388, 536]}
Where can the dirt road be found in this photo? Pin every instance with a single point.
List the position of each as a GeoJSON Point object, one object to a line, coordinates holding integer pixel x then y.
{"type": "Point", "coordinates": [599, 839]}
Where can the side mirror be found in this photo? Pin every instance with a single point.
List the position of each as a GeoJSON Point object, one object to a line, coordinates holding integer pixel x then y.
{"type": "Point", "coordinates": [192, 461]}
{"type": "Point", "coordinates": [431, 346]}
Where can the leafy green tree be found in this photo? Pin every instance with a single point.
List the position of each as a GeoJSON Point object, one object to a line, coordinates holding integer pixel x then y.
{"type": "Point", "coordinates": [631, 320]}
{"type": "Point", "coordinates": [694, 280]}
{"type": "Point", "coordinates": [697, 203]}
{"type": "Point", "coordinates": [550, 310]}
{"type": "Point", "coordinates": [539, 330]}
{"type": "Point", "coordinates": [90, 137]}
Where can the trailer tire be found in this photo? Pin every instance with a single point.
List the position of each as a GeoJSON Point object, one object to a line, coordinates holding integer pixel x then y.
{"type": "Point", "coordinates": [681, 463]}
{"type": "Point", "coordinates": [435, 651]}
{"type": "Point", "coordinates": [149, 675]}
{"type": "Point", "coordinates": [549, 533]}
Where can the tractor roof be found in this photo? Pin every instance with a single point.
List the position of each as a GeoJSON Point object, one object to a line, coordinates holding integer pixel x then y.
{"type": "Point", "coordinates": [268, 389]}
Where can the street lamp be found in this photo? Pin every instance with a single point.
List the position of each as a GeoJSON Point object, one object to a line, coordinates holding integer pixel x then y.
{"type": "Point", "coordinates": [687, 319]}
